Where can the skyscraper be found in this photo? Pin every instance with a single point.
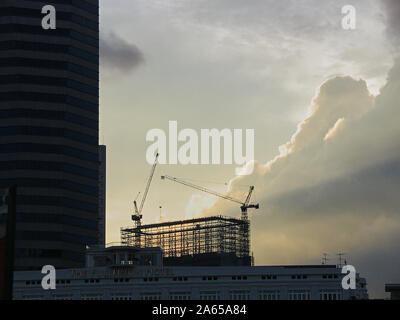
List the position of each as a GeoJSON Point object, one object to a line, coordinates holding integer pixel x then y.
{"type": "Point", "coordinates": [102, 194]}
{"type": "Point", "coordinates": [49, 111]}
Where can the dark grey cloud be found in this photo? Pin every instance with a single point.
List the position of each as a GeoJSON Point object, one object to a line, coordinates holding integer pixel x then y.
{"type": "Point", "coordinates": [116, 53]}
{"type": "Point", "coordinates": [393, 20]}
{"type": "Point", "coordinates": [356, 192]}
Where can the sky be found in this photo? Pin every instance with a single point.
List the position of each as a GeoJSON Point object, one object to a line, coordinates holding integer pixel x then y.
{"type": "Point", "coordinates": [323, 103]}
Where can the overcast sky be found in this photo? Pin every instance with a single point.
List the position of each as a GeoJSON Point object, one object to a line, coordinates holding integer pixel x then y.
{"type": "Point", "coordinates": [323, 102]}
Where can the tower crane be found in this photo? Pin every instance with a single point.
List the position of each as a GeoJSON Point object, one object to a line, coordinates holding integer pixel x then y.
{"type": "Point", "coordinates": [137, 217]}
{"type": "Point", "coordinates": [244, 205]}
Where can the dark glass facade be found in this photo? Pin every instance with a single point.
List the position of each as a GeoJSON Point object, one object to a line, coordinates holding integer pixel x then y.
{"type": "Point", "coordinates": [49, 119]}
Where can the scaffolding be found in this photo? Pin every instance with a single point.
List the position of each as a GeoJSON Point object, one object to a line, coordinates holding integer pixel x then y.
{"type": "Point", "coordinates": [208, 235]}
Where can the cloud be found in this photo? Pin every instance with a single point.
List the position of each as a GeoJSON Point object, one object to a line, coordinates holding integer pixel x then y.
{"type": "Point", "coordinates": [338, 98]}
{"type": "Point", "coordinates": [334, 187]}
{"type": "Point", "coordinates": [116, 53]}
{"type": "Point", "coordinates": [393, 20]}
{"type": "Point", "coordinates": [197, 204]}
{"type": "Point", "coordinates": [335, 129]}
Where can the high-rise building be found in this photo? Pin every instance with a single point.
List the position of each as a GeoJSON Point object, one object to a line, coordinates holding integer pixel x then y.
{"type": "Point", "coordinates": [49, 111]}
{"type": "Point", "coordinates": [102, 194]}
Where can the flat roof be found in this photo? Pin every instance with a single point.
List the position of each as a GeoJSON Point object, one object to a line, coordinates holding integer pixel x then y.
{"type": "Point", "coordinates": [197, 271]}
{"type": "Point", "coordinates": [189, 221]}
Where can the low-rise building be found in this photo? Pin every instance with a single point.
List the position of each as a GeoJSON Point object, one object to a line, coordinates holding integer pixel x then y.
{"type": "Point", "coordinates": [394, 289]}
{"type": "Point", "coordinates": [129, 273]}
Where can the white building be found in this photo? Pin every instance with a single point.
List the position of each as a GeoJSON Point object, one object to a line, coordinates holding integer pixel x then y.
{"type": "Point", "coordinates": [126, 273]}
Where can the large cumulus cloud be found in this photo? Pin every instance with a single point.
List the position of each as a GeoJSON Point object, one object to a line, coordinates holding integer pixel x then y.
{"type": "Point", "coordinates": [335, 184]}
{"type": "Point", "coordinates": [334, 187]}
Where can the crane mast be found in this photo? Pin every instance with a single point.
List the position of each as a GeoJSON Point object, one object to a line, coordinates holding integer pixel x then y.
{"type": "Point", "coordinates": [137, 217]}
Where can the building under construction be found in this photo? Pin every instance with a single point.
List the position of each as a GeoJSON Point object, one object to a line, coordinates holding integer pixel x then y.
{"type": "Point", "coordinates": [207, 241]}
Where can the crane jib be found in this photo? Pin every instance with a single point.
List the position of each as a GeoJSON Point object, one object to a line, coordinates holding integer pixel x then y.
{"type": "Point", "coordinates": [244, 205]}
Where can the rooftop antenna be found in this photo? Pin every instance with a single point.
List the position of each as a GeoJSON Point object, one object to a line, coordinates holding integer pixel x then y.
{"type": "Point", "coordinates": [325, 258]}
{"type": "Point", "coordinates": [341, 255]}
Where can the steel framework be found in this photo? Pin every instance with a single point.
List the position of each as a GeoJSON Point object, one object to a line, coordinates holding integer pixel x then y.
{"type": "Point", "coordinates": [215, 234]}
